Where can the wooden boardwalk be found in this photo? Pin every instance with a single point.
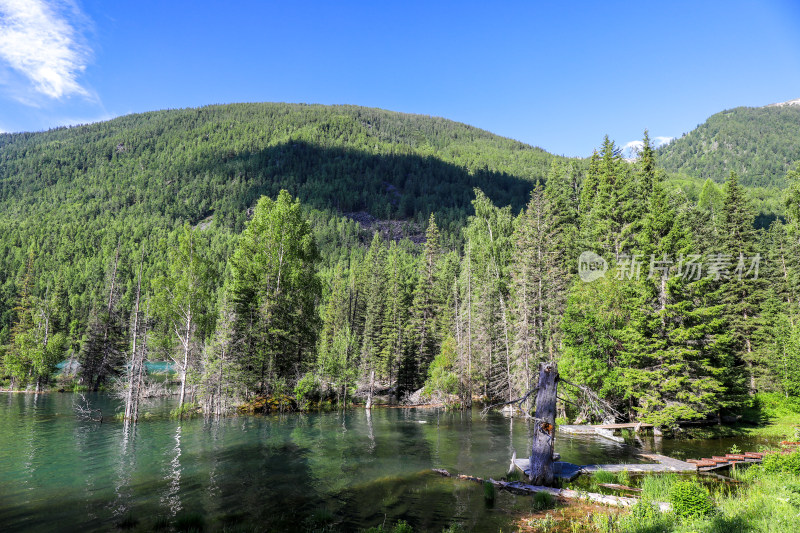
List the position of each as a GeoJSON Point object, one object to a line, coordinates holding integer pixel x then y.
{"type": "Point", "coordinates": [660, 464]}
{"type": "Point", "coordinates": [729, 459]}
{"type": "Point", "coordinates": [609, 431]}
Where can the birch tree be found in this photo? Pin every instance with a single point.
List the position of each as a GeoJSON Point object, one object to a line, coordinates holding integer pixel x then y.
{"type": "Point", "coordinates": [182, 299]}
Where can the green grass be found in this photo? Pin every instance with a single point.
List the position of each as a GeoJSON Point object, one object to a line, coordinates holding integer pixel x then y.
{"type": "Point", "coordinates": [771, 416]}
{"type": "Point", "coordinates": [543, 501]}
{"type": "Point", "coordinates": [764, 503]}
{"type": "Point", "coordinates": [779, 427]}
{"type": "Point", "coordinates": [515, 475]}
{"type": "Point", "coordinates": [657, 487]}
{"type": "Point", "coordinates": [488, 491]}
{"type": "Point", "coordinates": [602, 476]}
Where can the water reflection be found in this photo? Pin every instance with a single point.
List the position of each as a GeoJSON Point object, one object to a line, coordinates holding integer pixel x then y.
{"type": "Point", "coordinates": [124, 468]}
{"type": "Point", "coordinates": [272, 472]}
{"type": "Point", "coordinates": [171, 497]}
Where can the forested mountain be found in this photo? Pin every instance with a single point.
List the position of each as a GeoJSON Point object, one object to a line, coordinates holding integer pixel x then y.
{"type": "Point", "coordinates": [70, 195]}
{"type": "Point", "coordinates": [760, 144]}
{"type": "Point", "coordinates": [220, 237]}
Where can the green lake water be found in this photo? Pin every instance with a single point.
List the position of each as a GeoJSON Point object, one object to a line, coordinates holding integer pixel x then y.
{"type": "Point", "coordinates": [274, 473]}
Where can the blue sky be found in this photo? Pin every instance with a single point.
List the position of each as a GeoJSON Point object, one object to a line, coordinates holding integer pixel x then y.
{"type": "Point", "coordinates": [558, 75]}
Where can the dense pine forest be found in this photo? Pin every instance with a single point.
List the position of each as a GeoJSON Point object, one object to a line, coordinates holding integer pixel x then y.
{"type": "Point", "coordinates": [760, 144]}
{"type": "Point", "coordinates": [321, 252]}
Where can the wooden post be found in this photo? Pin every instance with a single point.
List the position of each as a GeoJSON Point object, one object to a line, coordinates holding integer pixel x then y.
{"type": "Point", "coordinates": [544, 426]}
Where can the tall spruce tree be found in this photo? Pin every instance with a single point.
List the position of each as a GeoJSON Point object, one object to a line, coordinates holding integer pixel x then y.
{"type": "Point", "coordinates": [742, 289]}
{"type": "Point", "coordinates": [423, 332]}
{"type": "Point", "coordinates": [539, 276]}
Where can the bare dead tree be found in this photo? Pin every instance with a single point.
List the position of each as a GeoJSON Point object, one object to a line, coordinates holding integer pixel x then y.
{"type": "Point", "coordinates": [590, 403]}
{"type": "Point", "coordinates": [84, 411]}
{"type": "Point", "coordinates": [135, 361]}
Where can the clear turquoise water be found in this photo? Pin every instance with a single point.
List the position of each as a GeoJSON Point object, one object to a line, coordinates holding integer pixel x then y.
{"type": "Point", "coordinates": [264, 473]}
{"type": "Point", "coordinates": [152, 366]}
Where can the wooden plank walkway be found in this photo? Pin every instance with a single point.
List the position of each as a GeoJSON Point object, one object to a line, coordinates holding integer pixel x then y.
{"type": "Point", "coordinates": [661, 464]}
{"type": "Point", "coordinates": [609, 431]}
{"type": "Point", "coordinates": [729, 459]}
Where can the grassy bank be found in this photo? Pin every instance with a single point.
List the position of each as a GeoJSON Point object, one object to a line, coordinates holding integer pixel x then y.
{"type": "Point", "coordinates": [765, 499]}
{"type": "Point", "coordinates": [771, 416]}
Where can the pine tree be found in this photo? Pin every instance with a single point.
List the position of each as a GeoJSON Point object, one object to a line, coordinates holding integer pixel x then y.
{"type": "Point", "coordinates": [103, 343]}
{"type": "Point", "coordinates": [539, 274]}
{"type": "Point", "coordinates": [16, 360]}
{"type": "Point", "coordinates": [423, 332]}
{"type": "Point", "coordinates": [399, 286]}
{"type": "Point", "coordinates": [742, 290]}
{"type": "Point", "coordinates": [375, 299]}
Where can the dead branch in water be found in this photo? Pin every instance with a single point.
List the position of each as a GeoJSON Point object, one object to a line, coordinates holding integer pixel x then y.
{"type": "Point", "coordinates": [520, 401]}
{"type": "Point", "coordinates": [517, 487]}
{"type": "Point", "coordinates": [85, 412]}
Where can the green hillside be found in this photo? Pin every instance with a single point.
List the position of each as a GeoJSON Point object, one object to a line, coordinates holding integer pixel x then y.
{"type": "Point", "coordinates": [759, 143]}
{"type": "Point", "coordinates": [68, 196]}
{"type": "Point", "coordinates": [230, 239]}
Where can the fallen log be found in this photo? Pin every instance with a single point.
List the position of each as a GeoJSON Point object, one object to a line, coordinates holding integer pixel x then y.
{"type": "Point", "coordinates": [517, 487]}
{"type": "Point", "coordinates": [615, 486]}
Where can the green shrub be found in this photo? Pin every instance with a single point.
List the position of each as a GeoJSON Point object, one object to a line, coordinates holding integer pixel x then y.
{"type": "Point", "coordinates": [441, 374]}
{"type": "Point", "coordinates": [774, 463]}
{"type": "Point", "coordinates": [186, 410]}
{"type": "Point", "coordinates": [304, 389]}
{"type": "Point", "coordinates": [624, 478]}
{"type": "Point", "coordinates": [402, 527]}
{"type": "Point", "coordinates": [689, 499]}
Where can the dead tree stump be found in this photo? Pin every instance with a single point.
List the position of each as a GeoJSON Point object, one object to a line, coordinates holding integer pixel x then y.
{"type": "Point", "coordinates": [544, 430]}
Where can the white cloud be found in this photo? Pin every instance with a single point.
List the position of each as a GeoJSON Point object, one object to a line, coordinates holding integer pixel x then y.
{"type": "Point", "coordinates": [39, 40]}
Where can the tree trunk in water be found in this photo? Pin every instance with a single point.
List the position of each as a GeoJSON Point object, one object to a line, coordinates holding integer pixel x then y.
{"type": "Point", "coordinates": [544, 426]}
{"type": "Point", "coordinates": [371, 386]}
{"type": "Point", "coordinates": [187, 340]}
{"type": "Point", "coordinates": [183, 386]}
